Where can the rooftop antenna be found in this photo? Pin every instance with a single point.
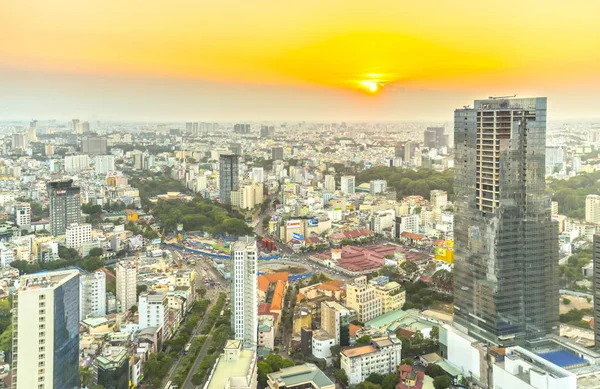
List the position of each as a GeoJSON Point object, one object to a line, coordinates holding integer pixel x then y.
{"type": "Point", "coordinates": [501, 97]}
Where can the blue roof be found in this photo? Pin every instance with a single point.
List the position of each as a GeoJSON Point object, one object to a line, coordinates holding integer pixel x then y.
{"type": "Point", "coordinates": [562, 358]}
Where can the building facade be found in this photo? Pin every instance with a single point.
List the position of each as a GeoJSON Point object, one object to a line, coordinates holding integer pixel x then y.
{"type": "Point", "coordinates": [335, 319]}
{"type": "Point", "coordinates": [111, 369]}
{"type": "Point", "coordinates": [381, 356]}
{"type": "Point", "coordinates": [361, 297]}
{"type": "Point", "coordinates": [348, 184]}
{"type": "Point", "coordinates": [92, 295]}
{"type": "Point", "coordinates": [244, 291]}
{"type": "Point", "coordinates": [228, 176]}
{"type": "Point", "coordinates": [78, 234]}
{"type": "Point", "coordinates": [65, 205]}
{"type": "Point", "coordinates": [506, 254]}
{"type": "Point", "coordinates": [126, 273]}
{"type": "Point", "coordinates": [153, 310]}
{"type": "Point", "coordinates": [592, 209]}
{"type": "Point", "coordinates": [46, 331]}
{"type": "Point", "coordinates": [596, 280]}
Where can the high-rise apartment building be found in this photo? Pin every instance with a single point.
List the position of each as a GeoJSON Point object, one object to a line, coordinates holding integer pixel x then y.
{"type": "Point", "coordinates": [438, 198]}
{"type": "Point", "coordinates": [506, 247]}
{"type": "Point", "coordinates": [335, 319]}
{"type": "Point", "coordinates": [104, 163]}
{"type": "Point", "coordinates": [228, 176]}
{"type": "Point", "coordinates": [596, 279]}
{"type": "Point", "coordinates": [244, 287]}
{"type": "Point", "coordinates": [258, 175]}
{"type": "Point", "coordinates": [361, 297]}
{"type": "Point", "coordinates": [592, 209]}
{"type": "Point", "coordinates": [76, 126]}
{"type": "Point", "coordinates": [277, 153]}
{"type": "Point", "coordinates": [329, 183]}
{"type": "Point", "coordinates": [93, 145]}
{"type": "Point", "coordinates": [126, 274]}
{"type": "Point", "coordinates": [348, 184]}
{"type": "Point", "coordinates": [235, 148]}
{"type": "Point", "coordinates": [46, 331]}
{"type": "Point", "coordinates": [76, 163]}
{"type": "Point", "coordinates": [65, 205]}
{"type": "Point", "coordinates": [23, 214]}
{"type": "Point", "coordinates": [92, 295]}
{"type": "Point", "coordinates": [153, 310]}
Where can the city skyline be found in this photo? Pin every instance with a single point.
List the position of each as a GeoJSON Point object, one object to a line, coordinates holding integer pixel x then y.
{"type": "Point", "coordinates": [338, 60]}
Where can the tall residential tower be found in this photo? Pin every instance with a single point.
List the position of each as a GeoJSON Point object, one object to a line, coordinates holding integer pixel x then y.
{"type": "Point", "coordinates": [228, 176]}
{"type": "Point", "coordinates": [244, 287]}
{"type": "Point", "coordinates": [506, 254]}
{"type": "Point", "coordinates": [65, 205]}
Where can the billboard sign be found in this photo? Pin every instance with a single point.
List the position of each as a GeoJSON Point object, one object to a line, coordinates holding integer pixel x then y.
{"type": "Point", "coordinates": [313, 222]}
{"type": "Point", "coordinates": [293, 224]}
{"type": "Point", "coordinates": [156, 241]}
{"type": "Point", "coordinates": [297, 236]}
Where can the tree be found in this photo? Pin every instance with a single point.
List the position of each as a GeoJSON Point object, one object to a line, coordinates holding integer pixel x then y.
{"type": "Point", "coordinates": [435, 333]}
{"type": "Point", "coordinates": [408, 361]}
{"type": "Point", "coordinates": [341, 378]}
{"type": "Point", "coordinates": [375, 378]}
{"type": "Point", "coordinates": [389, 381]}
{"type": "Point", "coordinates": [139, 289]}
{"type": "Point", "coordinates": [367, 385]}
{"type": "Point", "coordinates": [133, 309]}
{"type": "Point", "coordinates": [201, 292]}
{"type": "Point", "coordinates": [434, 370]}
{"type": "Point", "coordinates": [96, 252]}
{"type": "Point", "coordinates": [365, 339]}
{"type": "Point", "coordinates": [566, 301]}
{"type": "Point", "coordinates": [409, 268]}
{"type": "Point", "coordinates": [441, 382]}
{"type": "Point", "coordinates": [263, 370]}
{"type": "Point", "coordinates": [84, 376]}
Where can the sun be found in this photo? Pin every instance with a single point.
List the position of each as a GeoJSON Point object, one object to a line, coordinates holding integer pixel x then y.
{"type": "Point", "coordinates": [370, 86]}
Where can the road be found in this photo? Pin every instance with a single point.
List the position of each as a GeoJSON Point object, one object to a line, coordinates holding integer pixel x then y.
{"type": "Point", "coordinates": [199, 358]}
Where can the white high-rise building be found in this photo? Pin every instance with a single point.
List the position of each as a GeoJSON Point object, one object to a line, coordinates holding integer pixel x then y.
{"type": "Point", "coordinates": [592, 209]}
{"type": "Point", "coordinates": [329, 183]}
{"type": "Point", "coordinates": [348, 184]}
{"type": "Point", "coordinates": [378, 186]}
{"type": "Point", "coordinates": [76, 163]}
{"type": "Point", "coordinates": [126, 285]}
{"type": "Point", "coordinates": [23, 214]}
{"type": "Point", "coordinates": [77, 234]}
{"type": "Point", "coordinates": [104, 163]}
{"type": "Point", "coordinates": [7, 255]}
{"type": "Point", "coordinates": [408, 223]}
{"type": "Point", "coordinates": [46, 331]}
{"type": "Point", "coordinates": [258, 175]}
{"type": "Point", "coordinates": [244, 287]}
{"type": "Point", "coordinates": [92, 295]}
{"type": "Point", "coordinates": [153, 310]}
{"type": "Point", "coordinates": [381, 356]}
{"type": "Point", "coordinates": [438, 198]}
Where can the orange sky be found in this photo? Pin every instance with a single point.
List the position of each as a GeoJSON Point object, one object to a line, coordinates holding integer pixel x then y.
{"type": "Point", "coordinates": [327, 48]}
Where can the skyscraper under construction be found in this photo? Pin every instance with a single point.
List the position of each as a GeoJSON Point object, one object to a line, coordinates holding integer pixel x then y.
{"type": "Point", "coordinates": [506, 248]}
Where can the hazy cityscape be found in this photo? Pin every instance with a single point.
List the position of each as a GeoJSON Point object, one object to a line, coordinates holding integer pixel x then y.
{"type": "Point", "coordinates": [299, 195]}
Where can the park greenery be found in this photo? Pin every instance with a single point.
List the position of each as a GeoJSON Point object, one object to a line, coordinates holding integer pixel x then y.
{"type": "Point", "coordinates": [408, 182]}
{"type": "Point", "coordinates": [417, 344]}
{"type": "Point", "coordinates": [570, 194]}
{"type": "Point", "coordinates": [571, 272]}
{"type": "Point", "coordinates": [575, 317]}
{"type": "Point", "coordinates": [200, 214]}
{"type": "Point", "coordinates": [378, 381]}
{"type": "Point", "coordinates": [272, 364]}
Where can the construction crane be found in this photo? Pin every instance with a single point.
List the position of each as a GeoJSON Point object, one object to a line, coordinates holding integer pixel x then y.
{"type": "Point", "coordinates": [501, 97]}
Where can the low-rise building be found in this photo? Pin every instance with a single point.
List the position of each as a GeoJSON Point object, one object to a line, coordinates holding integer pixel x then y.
{"type": "Point", "coordinates": [235, 368]}
{"type": "Point", "coordinates": [381, 356]}
{"type": "Point", "coordinates": [306, 376]}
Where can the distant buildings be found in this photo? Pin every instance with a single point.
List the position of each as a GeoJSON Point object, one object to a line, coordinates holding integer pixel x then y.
{"type": "Point", "coordinates": [104, 163]}
{"type": "Point", "coordinates": [126, 274]}
{"type": "Point", "coordinates": [76, 163]}
{"type": "Point", "coordinates": [244, 309]}
{"type": "Point", "coordinates": [93, 145]}
{"type": "Point", "coordinates": [348, 184]}
{"type": "Point", "coordinates": [381, 356]}
{"type": "Point", "coordinates": [23, 214]}
{"type": "Point", "coordinates": [228, 176]}
{"type": "Point", "coordinates": [378, 186]}
{"type": "Point", "coordinates": [65, 205]}
{"type": "Point", "coordinates": [592, 208]}
{"type": "Point", "coordinates": [46, 331]}
{"type": "Point", "coordinates": [506, 246]}
{"type": "Point", "coordinates": [329, 184]}
{"type": "Point", "coordinates": [277, 153]}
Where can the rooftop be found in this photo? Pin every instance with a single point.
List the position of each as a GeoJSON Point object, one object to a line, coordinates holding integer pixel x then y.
{"type": "Point", "coordinates": [359, 351]}
{"type": "Point", "coordinates": [48, 280]}
{"type": "Point", "coordinates": [230, 369]}
{"type": "Point", "coordinates": [296, 375]}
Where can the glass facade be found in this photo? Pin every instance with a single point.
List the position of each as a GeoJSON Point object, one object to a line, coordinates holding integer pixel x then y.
{"type": "Point", "coordinates": [65, 205]}
{"type": "Point", "coordinates": [66, 335]}
{"type": "Point", "coordinates": [506, 248]}
{"type": "Point", "coordinates": [228, 176]}
{"type": "Point", "coordinates": [113, 374]}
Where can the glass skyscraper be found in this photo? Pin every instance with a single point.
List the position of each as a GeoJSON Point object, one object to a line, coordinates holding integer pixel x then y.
{"type": "Point", "coordinates": [506, 248]}
{"type": "Point", "coordinates": [65, 205]}
{"type": "Point", "coordinates": [228, 176]}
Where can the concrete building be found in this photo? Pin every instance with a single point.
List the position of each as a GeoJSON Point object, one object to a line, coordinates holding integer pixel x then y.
{"type": "Point", "coordinates": [384, 221]}
{"type": "Point", "coordinates": [335, 320]}
{"type": "Point", "coordinates": [592, 208]}
{"type": "Point", "coordinates": [46, 331]}
{"type": "Point", "coordinates": [322, 341]}
{"type": "Point", "coordinates": [23, 214]}
{"type": "Point", "coordinates": [329, 184]}
{"type": "Point", "coordinates": [104, 163]}
{"type": "Point", "coordinates": [438, 198]}
{"type": "Point", "coordinates": [258, 175]}
{"type": "Point", "coordinates": [407, 223]}
{"type": "Point", "coordinates": [235, 368]}
{"type": "Point", "coordinates": [348, 184]}
{"type": "Point", "coordinates": [228, 176]}
{"type": "Point", "coordinates": [126, 278]}
{"type": "Point", "coordinates": [93, 145]}
{"type": "Point", "coordinates": [596, 281]}
{"type": "Point", "coordinates": [381, 356]}
{"type": "Point", "coordinates": [361, 297]}
{"type": "Point", "coordinates": [306, 376]}
{"type": "Point", "coordinates": [392, 294]}
{"type": "Point", "coordinates": [92, 295]}
{"type": "Point", "coordinates": [266, 332]}
{"type": "Point", "coordinates": [153, 310]}
{"type": "Point", "coordinates": [78, 234]}
{"type": "Point", "coordinates": [65, 205]}
{"type": "Point", "coordinates": [277, 153]}
{"type": "Point", "coordinates": [247, 196]}
{"type": "Point", "coordinates": [506, 245]}
{"type": "Point", "coordinates": [76, 163]}
{"type": "Point", "coordinates": [244, 291]}
{"type": "Point", "coordinates": [111, 368]}
{"type": "Point", "coordinates": [378, 186]}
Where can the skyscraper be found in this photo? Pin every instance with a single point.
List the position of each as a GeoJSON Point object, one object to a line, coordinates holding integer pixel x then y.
{"type": "Point", "coordinates": [126, 273]}
{"type": "Point", "coordinates": [277, 153]}
{"type": "Point", "coordinates": [348, 184]}
{"type": "Point", "coordinates": [244, 304]}
{"type": "Point", "coordinates": [228, 176]}
{"type": "Point", "coordinates": [596, 263]}
{"type": "Point", "coordinates": [506, 254]}
{"type": "Point", "coordinates": [46, 331]}
{"type": "Point", "coordinates": [94, 145]}
{"type": "Point", "coordinates": [75, 126]}
{"type": "Point", "coordinates": [92, 295]}
{"type": "Point", "coordinates": [65, 205]}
